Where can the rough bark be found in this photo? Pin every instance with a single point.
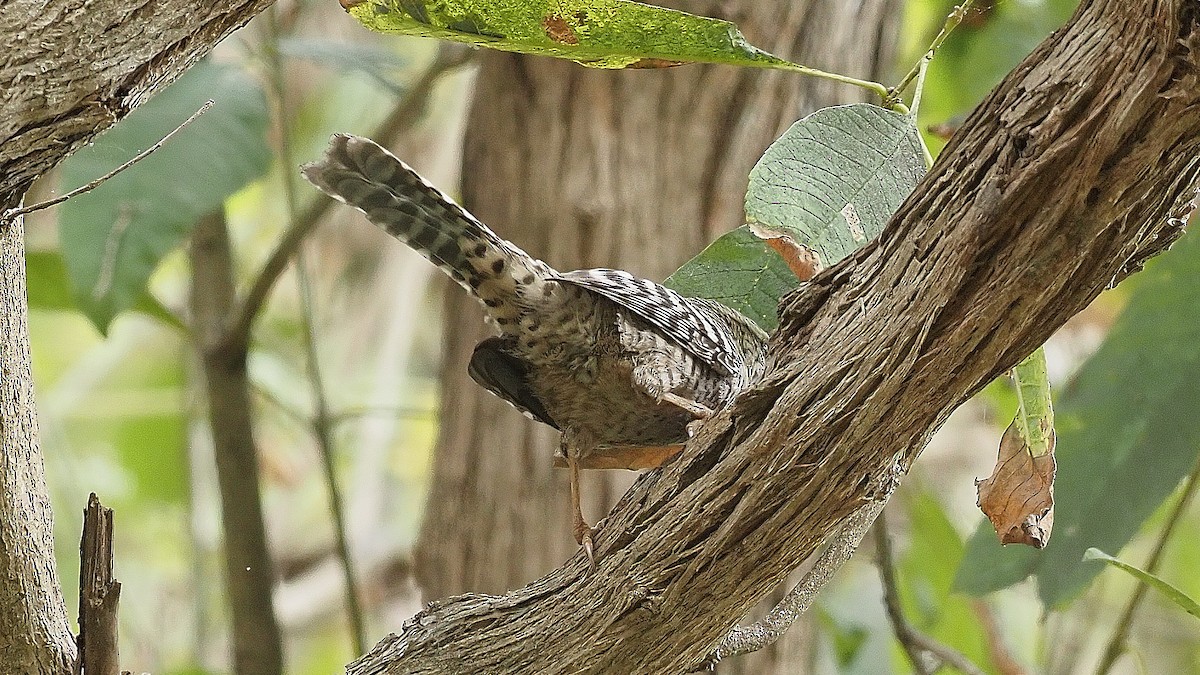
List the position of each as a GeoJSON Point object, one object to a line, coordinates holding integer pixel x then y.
{"type": "Point", "coordinates": [635, 170]}
{"type": "Point", "coordinates": [68, 70]}
{"type": "Point", "coordinates": [35, 636]}
{"type": "Point", "coordinates": [1077, 168]}
{"type": "Point", "coordinates": [249, 573]}
{"type": "Point", "coordinates": [99, 593]}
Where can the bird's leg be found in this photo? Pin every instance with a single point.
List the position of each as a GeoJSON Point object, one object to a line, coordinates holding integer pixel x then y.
{"type": "Point", "coordinates": [697, 409]}
{"type": "Point", "coordinates": [582, 531]}
{"type": "Point", "coordinates": [571, 448]}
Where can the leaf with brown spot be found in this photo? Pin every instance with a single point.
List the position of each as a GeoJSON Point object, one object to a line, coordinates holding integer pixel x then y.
{"type": "Point", "coordinates": [802, 260]}
{"type": "Point", "coordinates": [594, 33]}
{"type": "Point", "coordinates": [559, 30]}
{"type": "Point", "coordinates": [1019, 495]}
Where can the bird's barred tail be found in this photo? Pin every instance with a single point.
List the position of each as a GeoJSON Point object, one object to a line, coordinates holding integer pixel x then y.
{"type": "Point", "coordinates": [359, 172]}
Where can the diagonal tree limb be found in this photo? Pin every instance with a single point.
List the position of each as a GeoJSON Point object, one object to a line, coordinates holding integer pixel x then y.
{"type": "Point", "coordinates": [1071, 174]}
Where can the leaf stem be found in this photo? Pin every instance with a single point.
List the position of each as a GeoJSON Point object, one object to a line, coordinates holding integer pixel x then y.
{"type": "Point", "coordinates": [952, 20]}
{"type": "Point", "coordinates": [1116, 644]}
{"type": "Point", "coordinates": [874, 87]}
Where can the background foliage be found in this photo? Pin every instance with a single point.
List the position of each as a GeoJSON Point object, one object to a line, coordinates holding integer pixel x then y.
{"type": "Point", "coordinates": [120, 413]}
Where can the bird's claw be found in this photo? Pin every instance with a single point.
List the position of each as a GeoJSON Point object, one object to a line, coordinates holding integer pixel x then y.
{"type": "Point", "coordinates": [583, 536]}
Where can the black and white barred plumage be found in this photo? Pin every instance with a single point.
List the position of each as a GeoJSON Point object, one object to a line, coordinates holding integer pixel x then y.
{"type": "Point", "coordinates": [608, 358]}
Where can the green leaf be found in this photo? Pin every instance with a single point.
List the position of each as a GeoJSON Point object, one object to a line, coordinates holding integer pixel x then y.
{"type": "Point", "coordinates": [113, 237]}
{"type": "Point", "coordinates": [739, 271]}
{"type": "Point", "coordinates": [1177, 596]}
{"type": "Point", "coordinates": [596, 33]}
{"type": "Point", "coordinates": [50, 289]}
{"type": "Point", "coordinates": [831, 183]}
{"type": "Point", "coordinates": [1128, 432]}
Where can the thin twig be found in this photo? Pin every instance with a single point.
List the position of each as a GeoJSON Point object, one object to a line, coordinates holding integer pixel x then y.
{"type": "Point", "coordinates": [402, 117]}
{"type": "Point", "coordinates": [337, 417]}
{"type": "Point", "coordinates": [920, 648]}
{"type": "Point", "coordinates": [320, 422]}
{"type": "Point", "coordinates": [952, 20]}
{"type": "Point", "coordinates": [746, 639]}
{"type": "Point", "coordinates": [92, 185]}
{"type": "Point", "coordinates": [1005, 662]}
{"type": "Point", "coordinates": [1116, 644]}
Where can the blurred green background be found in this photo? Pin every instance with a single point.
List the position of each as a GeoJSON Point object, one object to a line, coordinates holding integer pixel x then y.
{"type": "Point", "coordinates": [121, 409]}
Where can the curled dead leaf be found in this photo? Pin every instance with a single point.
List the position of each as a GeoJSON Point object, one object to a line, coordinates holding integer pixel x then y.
{"type": "Point", "coordinates": [802, 260]}
{"type": "Point", "coordinates": [1019, 495]}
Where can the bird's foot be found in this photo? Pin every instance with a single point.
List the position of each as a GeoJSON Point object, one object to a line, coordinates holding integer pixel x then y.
{"type": "Point", "coordinates": [583, 536]}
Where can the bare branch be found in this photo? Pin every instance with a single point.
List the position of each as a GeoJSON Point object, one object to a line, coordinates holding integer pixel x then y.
{"type": "Point", "coordinates": [92, 185]}
{"type": "Point", "coordinates": [925, 653]}
{"type": "Point", "coordinates": [99, 593]}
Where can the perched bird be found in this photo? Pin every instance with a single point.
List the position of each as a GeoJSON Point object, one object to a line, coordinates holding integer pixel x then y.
{"type": "Point", "coordinates": [618, 364]}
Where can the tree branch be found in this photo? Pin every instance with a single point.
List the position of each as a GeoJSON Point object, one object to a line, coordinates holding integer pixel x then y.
{"type": "Point", "coordinates": [99, 593]}
{"type": "Point", "coordinates": [52, 109]}
{"type": "Point", "coordinates": [917, 645]}
{"type": "Point", "coordinates": [1072, 173]}
{"type": "Point", "coordinates": [35, 635]}
{"type": "Point", "coordinates": [249, 574]}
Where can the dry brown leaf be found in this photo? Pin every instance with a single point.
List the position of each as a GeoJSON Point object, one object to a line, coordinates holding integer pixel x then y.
{"type": "Point", "coordinates": [1019, 495]}
{"type": "Point", "coordinates": [632, 457]}
{"type": "Point", "coordinates": [802, 260]}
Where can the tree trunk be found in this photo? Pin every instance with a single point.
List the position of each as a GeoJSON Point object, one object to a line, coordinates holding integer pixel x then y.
{"type": "Point", "coordinates": [1078, 167]}
{"type": "Point", "coordinates": [35, 636]}
{"type": "Point", "coordinates": [249, 572]}
{"type": "Point", "coordinates": [637, 170]}
{"type": "Point", "coordinates": [50, 106]}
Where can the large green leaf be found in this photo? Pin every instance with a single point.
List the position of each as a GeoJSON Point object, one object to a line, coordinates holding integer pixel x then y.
{"type": "Point", "coordinates": [596, 33]}
{"type": "Point", "coordinates": [49, 288]}
{"type": "Point", "coordinates": [831, 183]}
{"type": "Point", "coordinates": [113, 237]}
{"type": "Point", "coordinates": [1174, 594]}
{"type": "Point", "coordinates": [739, 271]}
{"type": "Point", "coordinates": [1128, 432]}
